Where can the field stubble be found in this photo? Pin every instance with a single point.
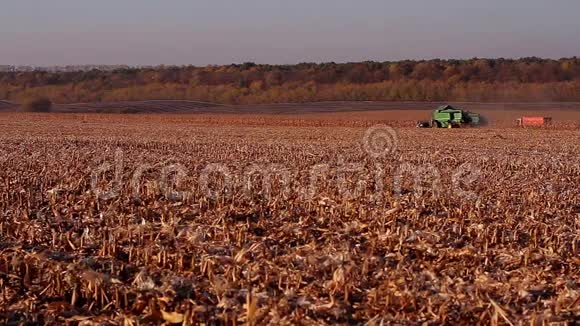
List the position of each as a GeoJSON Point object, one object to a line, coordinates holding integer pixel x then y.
{"type": "Point", "coordinates": [118, 219]}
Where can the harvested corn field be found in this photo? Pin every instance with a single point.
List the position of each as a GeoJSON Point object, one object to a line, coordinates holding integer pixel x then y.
{"type": "Point", "coordinates": [137, 220]}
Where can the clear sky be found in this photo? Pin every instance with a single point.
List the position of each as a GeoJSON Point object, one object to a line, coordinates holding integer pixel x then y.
{"type": "Point", "coordinates": [141, 32]}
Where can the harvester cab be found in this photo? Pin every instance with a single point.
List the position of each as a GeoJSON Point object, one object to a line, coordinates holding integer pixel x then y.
{"type": "Point", "coordinates": [447, 116]}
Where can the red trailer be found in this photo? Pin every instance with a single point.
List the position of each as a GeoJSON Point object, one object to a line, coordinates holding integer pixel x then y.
{"type": "Point", "coordinates": [534, 121]}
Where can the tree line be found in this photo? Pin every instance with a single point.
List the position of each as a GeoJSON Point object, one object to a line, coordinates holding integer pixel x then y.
{"type": "Point", "coordinates": [527, 79]}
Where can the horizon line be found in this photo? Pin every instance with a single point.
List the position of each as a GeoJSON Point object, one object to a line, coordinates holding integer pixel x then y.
{"type": "Point", "coordinates": [3, 67]}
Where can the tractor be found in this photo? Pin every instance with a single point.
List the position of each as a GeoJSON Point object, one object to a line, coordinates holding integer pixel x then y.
{"type": "Point", "coordinates": [447, 116]}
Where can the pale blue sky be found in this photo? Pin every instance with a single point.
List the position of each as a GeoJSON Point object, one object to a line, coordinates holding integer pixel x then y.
{"type": "Point", "coordinates": [60, 32]}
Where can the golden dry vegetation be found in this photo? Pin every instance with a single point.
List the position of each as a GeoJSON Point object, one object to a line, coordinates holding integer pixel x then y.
{"type": "Point", "coordinates": [498, 244]}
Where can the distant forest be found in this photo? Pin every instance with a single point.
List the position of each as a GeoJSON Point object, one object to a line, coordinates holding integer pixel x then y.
{"type": "Point", "coordinates": [486, 80]}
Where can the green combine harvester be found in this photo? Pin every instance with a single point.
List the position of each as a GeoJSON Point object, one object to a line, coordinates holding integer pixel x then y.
{"type": "Point", "coordinates": [447, 116]}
